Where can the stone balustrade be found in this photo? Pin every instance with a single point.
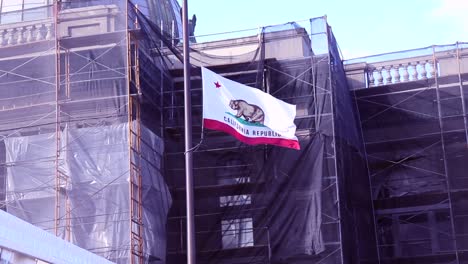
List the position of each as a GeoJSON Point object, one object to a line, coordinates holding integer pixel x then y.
{"type": "Point", "coordinates": [386, 74]}
{"type": "Point", "coordinates": [395, 68]}
{"type": "Point", "coordinates": [26, 32]}
{"type": "Point", "coordinates": [74, 22]}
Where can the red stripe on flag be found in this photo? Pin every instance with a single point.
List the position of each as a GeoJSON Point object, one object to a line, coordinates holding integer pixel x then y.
{"type": "Point", "coordinates": [217, 125]}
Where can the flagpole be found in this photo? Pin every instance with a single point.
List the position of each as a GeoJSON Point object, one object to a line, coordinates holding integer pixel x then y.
{"type": "Point", "coordinates": [188, 141]}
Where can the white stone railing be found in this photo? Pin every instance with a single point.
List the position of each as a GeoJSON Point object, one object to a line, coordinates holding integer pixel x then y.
{"type": "Point", "coordinates": [74, 22]}
{"type": "Point", "coordinates": [387, 73]}
{"type": "Point", "coordinates": [436, 61]}
{"type": "Point", "coordinates": [26, 32]}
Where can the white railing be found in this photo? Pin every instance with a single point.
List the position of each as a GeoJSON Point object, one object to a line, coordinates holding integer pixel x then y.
{"type": "Point", "coordinates": [26, 32]}
{"type": "Point", "coordinates": [74, 22]}
{"type": "Point", "coordinates": [401, 67]}
{"type": "Point", "coordinates": [386, 73]}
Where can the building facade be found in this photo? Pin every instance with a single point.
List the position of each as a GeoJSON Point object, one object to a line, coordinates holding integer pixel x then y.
{"type": "Point", "coordinates": [412, 108]}
{"type": "Point", "coordinates": [77, 158]}
{"type": "Point", "coordinates": [92, 149]}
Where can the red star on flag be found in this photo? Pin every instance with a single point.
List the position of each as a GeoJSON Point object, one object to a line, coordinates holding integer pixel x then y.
{"type": "Point", "coordinates": [217, 85]}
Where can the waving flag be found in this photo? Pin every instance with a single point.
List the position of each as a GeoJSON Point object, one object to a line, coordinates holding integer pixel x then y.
{"type": "Point", "coordinates": [250, 115]}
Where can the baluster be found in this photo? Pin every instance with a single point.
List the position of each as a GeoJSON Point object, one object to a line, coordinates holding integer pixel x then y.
{"type": "Point", "coordinates": [370, 75]}
{"type": "Point", "coordinates": [423, 71]}
{"type": "Point", "coordinates": [49, 35]}
{"type": "Point", "coordinates": [414, 72]}
{"type": "Point", "coordinates": [404, 72]}
{"type": "Point", "coordinates": [388, 76]}
{"type": "Point", "coordinates": [378, 76]}
{"type": "Point", "coordinates": [20, 35]}
{"type": "Point", "coordinates": [396, 75]}
{"type": "Point", "coordinates": [39, 32]}
{"type": "Point", "coordinates": [29, 34]}
{"type": "Point", "coordinates": [432, 70]}
{"type": "Point", "coordinates": [10, 36]}
{"type": "Point", "coordinates": [2, 38]}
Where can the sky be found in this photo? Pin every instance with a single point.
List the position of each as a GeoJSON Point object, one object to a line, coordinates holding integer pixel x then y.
{"type": "Point", "coordinates": [361, 27]}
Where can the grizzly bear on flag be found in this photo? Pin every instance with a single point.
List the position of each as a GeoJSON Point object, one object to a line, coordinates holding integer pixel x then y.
{"type": "Point", "coordinates": [250, 112]}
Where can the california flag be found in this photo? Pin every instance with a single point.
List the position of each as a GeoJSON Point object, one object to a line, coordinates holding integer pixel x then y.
{"type": "Point", "coordinates": [250, 115]}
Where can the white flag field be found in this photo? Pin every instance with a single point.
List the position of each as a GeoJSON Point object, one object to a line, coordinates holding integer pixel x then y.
{"type": "Point", "coordinates": [249, 114]}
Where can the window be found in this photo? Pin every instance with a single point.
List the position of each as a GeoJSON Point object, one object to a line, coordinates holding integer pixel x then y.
{"type": "Point", "coordinates": [13, 11]}
{"type": "Point", "coordinates": [235, 200]}
{"type": "Point", "coordinates": [234, 171]}
{"type": "Point", "coordinates": [237, 233]}
{"type": "Point", "coordinates": [420, 233]}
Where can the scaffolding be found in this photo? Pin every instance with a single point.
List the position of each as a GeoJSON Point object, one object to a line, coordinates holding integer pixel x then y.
{"type": "Point", "coordinates": [95, 122]}
{"type": "Point", "coordinates": [414, 123]}
{"type": "Point", "coordinates": [78, 159]}
{"type": "Point", "coordinates": [92, 144]}
{"type": "Point", "coordinates": [265, 204]}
